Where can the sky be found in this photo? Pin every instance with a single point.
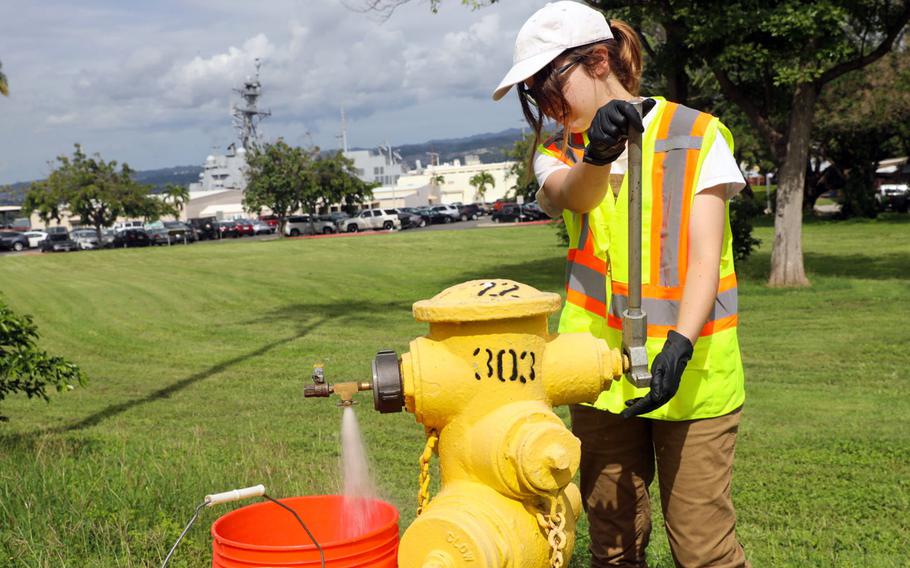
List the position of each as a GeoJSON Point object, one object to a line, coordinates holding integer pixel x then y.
{"type": "Point", "coordinates": [149, 82]}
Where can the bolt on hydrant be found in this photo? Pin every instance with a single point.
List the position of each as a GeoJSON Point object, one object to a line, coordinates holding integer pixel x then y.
{"type": "Point", "coordinates": [483, 382]}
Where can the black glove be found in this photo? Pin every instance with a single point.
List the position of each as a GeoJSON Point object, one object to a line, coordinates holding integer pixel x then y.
{"type": "Point", "coordinates": [610, 129]}
{"type": "Point", "coordinates": [666, 371]}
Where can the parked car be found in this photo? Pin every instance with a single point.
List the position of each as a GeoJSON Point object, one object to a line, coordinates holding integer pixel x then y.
{"type": "Point", "coordinates": [270, 220]}
{"type": "Point", "coordinates": [170, 233]}
{"type": "Point", "coordinates": [511, 213]}
{"type": "Point", "coordinates": [86, 238]}
{"type": "Point", "coordinates": [128, 238]}
{"type": "Point", "coordinates": [893, 196]}
{"type": "Point", "coordinates": [21, 224]}
{"type": "Point", "coordinates": [338, 217]}
{"type": "Point", "coordinates": [298, 225]}
{"type": "Point", "coordinates": [534, 211]}
{"type": "Point", "coordinates": [52, 230]}
{"type": "Point", "coordinates": [206, 228]}
{"type": "Point", "coordinates": [500, 203]}
{"type": "Point", "coordinates": [35, 238]}
{"type": "Point", "coordinates": [410, 219]}
{"type": "Point", "coordinates": [227, 229]}
{"type": "Point", "coordinates": [470, 211]}
{"type": "Point", "coordinates": [59, 241]}
{"type": "Point", "coordinates": [128, 225]}
{"type": "Point", "coordinates": [421, 212]}
{"type": "Point", "coordinates": [107, 238]}
{"type": "Point", "coordinates": [376, 219]}
{"type": "Point", "coordinates": [13, 240]}
{"type": "Point", "coordinates": [244, 227]}
{"type": "Point", "coordinates": [444, 214]}
{"type": "Point", "coordinates": [261, 227]}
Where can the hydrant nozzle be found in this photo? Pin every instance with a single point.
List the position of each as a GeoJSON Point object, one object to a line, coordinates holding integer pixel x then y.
{"type": "Point", "coordinates": [345, 391]}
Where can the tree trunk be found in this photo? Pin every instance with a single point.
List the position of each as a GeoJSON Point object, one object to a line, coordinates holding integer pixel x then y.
{"type": "Point", "coordinates": [787, 256]}
{"type": "Point", "coordinates": [677, 56]}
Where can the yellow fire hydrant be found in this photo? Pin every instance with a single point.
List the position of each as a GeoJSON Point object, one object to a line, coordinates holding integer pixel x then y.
{"type": "Point", "coordinates": [483, 382]}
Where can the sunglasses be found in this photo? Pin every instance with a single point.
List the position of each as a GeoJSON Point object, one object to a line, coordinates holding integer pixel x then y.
{"type": "Point", "coordinates": [525, 92]}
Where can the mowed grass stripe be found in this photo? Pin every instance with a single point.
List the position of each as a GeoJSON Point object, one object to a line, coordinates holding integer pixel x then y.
{"type": "Point", "coordinates": [198, 356]}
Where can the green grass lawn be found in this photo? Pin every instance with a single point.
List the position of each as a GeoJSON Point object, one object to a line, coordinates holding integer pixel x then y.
{"type": "Point", "coordinates": [198, 356]}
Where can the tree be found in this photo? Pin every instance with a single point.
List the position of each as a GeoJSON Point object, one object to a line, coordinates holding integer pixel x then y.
{"type": "Point", "coordinates": [525, 180]}
{"type": "Point", "coordinates": [42, 199]}
{"type": "Point", "coordinates": [863, 118]}
{"type": "Point", "coordinates": [92, 189]}
{"type": "Point", "coordinates": [480, 181]}
{"type": "Point", "coordinates": [4, 85]}
{"type": "Point", "coordinates": [176, 197]}
{"type": "Point", "coordinates": [286, 178]}
{"type": "Point", "coordinates": [436, 181]}
{"type": "Point", "coordinates": [337, 183]}
{"type": "Point", "coordinates": [278, 177]}
{"type": "Point", "coordinates": [774, 65]}
{"type": "Point", "coordinates": [24, 367]}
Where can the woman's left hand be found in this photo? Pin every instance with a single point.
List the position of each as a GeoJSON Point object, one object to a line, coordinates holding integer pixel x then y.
{"type": "Point", "coordinates": [666, 373]}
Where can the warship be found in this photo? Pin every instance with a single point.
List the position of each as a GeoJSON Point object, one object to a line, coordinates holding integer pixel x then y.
{"type": "Point", "coordinates": [226, 171]}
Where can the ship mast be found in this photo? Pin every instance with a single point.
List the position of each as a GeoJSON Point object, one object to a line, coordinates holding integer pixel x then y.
{"type": "Point", "coordinates": [248, 117]}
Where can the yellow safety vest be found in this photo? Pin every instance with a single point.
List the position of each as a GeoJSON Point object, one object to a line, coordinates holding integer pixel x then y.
{"type": "Point", "coordinates": [587, 294]}
{"type": "Point", "coordinates": [674, 147]}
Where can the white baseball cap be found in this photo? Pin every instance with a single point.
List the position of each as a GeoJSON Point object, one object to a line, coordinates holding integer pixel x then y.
{"type": "Point", "coordinates": [556, 27]}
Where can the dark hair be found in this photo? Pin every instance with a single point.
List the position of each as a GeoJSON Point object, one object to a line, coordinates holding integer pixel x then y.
{"type": "Point", "coordinates": [544, 96]}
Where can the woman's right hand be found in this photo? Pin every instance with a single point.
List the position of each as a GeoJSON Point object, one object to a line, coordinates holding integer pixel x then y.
{"type": "Point", "coordinates": [610, 129]}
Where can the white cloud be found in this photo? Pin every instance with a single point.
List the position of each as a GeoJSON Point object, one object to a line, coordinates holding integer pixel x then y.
{"type": "Point", "coordinates": [154, 80]}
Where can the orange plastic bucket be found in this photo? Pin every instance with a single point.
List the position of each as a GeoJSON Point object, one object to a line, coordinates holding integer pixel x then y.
{"type": "Point", "coordinates": [265, 534]}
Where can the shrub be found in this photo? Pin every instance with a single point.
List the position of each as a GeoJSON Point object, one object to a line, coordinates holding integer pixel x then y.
{"type": "Point", "coordinates": [24, 367]}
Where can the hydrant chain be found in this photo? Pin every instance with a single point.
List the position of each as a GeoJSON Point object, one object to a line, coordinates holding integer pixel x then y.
{"type": "Point", "coordinates": [423, 491]}
{"type": "Point", "coordinates": [554, 523]}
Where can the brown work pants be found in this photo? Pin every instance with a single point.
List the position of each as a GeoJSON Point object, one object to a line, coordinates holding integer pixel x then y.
{"type": "Point", "coordinates": [694, 468]}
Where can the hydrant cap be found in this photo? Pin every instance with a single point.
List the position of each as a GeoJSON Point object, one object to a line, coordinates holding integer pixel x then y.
{"type": "Point", "coordinates": [484, 300]}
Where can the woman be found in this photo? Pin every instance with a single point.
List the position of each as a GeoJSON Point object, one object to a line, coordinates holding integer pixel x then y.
{"type": "Point", "coordinates": [575, 68]}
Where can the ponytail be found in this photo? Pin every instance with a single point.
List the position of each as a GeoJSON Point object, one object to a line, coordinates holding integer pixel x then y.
{"type": "Point", "coordinates": [625, 55]}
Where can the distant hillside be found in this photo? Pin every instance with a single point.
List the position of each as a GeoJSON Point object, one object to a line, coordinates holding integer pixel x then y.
{"type": "Point", "coordinates": [179, 175]}
{"type": "Point", "coordinates": [490, 147]}
{"type": "Point", "coordinates": [158, 179]}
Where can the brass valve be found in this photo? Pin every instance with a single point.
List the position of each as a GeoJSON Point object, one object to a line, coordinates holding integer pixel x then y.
{"type": "Point", "coordinates": [345, 391]}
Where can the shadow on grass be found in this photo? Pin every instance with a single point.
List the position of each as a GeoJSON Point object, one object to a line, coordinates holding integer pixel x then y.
{"type": "Point", "coordinates": [889, 266]}
{"type": "Point", "coordinates": [174, 388]}
{"type": "Point", "coordinates": [309, 317]}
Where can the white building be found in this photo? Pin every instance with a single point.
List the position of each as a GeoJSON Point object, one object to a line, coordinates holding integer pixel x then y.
{"type": "Point", "coordinates": [423, 187]}
{"type": "Point", "coordinates": [381, 165]}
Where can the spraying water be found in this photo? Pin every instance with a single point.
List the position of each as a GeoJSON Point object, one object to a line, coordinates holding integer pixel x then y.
{"type": "Point", "coordinates": [359, 490]}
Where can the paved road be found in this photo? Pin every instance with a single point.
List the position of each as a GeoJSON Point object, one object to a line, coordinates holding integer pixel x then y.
{"type": "Point", "coordinates": [483, 222]}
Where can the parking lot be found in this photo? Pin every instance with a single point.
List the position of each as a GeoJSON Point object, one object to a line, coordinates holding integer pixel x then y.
{"type": "Point", "coordinates": [483, 222]}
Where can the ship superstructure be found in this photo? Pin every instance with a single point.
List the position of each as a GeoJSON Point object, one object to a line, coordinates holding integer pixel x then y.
{"type": "Point", "coordinates": [226, 171]}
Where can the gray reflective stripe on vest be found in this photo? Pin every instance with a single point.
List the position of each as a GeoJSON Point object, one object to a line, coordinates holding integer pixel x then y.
{"type": "Point", "coordinates": [587, 281]}
{"type": "Point", "coordinates": [673, 191]}
{"type": "Point", "coordinates": [666, 312]}
{"type": "Point", "coordinates": [585, 231]}
{"type": "Point", "coordinates": [678, 143]}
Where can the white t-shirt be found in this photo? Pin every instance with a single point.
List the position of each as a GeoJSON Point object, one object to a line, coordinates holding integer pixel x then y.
{"type": "Point", "coordinates": [719, 168]}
